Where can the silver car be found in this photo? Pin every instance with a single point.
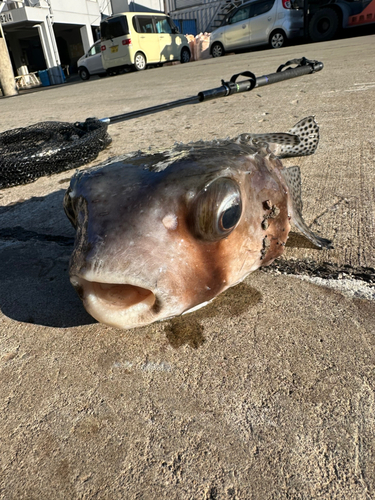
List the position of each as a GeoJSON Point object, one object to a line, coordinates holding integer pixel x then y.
{"type": "Point", "coordinates": [257, 22]}
{"type": "Point", "coordinates": [91, 62]}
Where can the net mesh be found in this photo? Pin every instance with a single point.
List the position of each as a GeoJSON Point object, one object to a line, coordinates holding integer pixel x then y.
{"type": "Point", "coordinates": [49, 148]}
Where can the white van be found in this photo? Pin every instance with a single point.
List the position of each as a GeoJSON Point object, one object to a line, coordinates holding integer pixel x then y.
{"type": "Point", "coordinates": [258, 22]}
{"type": "Point", "coordinates": [139, 39]}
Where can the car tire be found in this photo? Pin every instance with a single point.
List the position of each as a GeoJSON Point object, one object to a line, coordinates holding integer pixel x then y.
{"type": "Point", "coordinates": [323, 25]}
{"type": "Point", "coordinates": [139, 61]}
{"type": "Point", "coordinates": [185, 55]}
{"type": "Point", "coordinates": [277, 39]}
{"type": "Point", "coordinates": [84, 73]}
{"type": "Point", "coordinates": [217, 50]}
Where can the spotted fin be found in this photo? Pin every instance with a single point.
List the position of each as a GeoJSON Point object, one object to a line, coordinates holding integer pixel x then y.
{"type": "Point", "coordinates": [301, 140]}
{"type": "Point", "coordinates": [292, 176]}
{"type": "Point", "coordinates": [308, 132]}
{"type": "Point", "coordinates": [275, 141]}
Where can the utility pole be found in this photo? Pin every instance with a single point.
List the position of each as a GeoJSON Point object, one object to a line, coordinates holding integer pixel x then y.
{"type": "Point", "coordinates": [7, 80]}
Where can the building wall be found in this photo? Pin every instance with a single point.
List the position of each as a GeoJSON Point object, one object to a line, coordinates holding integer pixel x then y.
{"type": "Point", "coordinates": [75, 11]}
{"type": "Point", "coordinates": [202, 11]}
{"type": "Point", "coordinates": [38, 31]}
{"type": "Point", "coordinates": [137, 6]}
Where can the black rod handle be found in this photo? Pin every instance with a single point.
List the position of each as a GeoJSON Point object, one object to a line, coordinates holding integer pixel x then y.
{"type": "Point", "coordinates": [304, 67]}
{"type": "Point", "coordinates": [289, 73]}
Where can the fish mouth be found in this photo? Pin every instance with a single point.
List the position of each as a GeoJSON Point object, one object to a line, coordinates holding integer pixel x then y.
{"type": "Point", "coordinates": [121, 305]}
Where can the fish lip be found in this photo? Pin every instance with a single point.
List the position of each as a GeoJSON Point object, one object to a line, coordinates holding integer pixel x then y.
{"type": "Point", "coordinates": [122, 305]}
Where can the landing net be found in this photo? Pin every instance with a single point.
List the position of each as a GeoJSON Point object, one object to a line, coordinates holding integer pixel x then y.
{"type": "Point", "coordinates": [49, 148]}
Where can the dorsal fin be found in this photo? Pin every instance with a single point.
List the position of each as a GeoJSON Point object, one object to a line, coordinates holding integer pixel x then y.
{"type": "Point", "coordinates": [276, 141]}
{"type": "Point", "coordinates": [292, 176]}
{"type": "Point", "coordinates": [308, 132]}
{"type": "Point", "coordinates": [301, 140]}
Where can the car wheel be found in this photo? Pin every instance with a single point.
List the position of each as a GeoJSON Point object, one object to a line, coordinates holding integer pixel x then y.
{"type": "Point", "coordinates": [277, 39]}
{"type": "Point", "coordinates": [139, 61]}
{"type": "Point", "coordinates": [185, 55]}
{"type": "Point", "coordinates": [323, 25]}
{"type": "Point", "coordinates": [217, 50]}
{"type": "Point", "coordinates": [84, 73]}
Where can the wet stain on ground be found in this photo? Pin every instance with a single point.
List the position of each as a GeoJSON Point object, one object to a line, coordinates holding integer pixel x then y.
{"type": "Point", "coordinates": [188, 329]}
{"type": "Point", "coordinates": [325, 270]}
{"type": "Point", "coordinates": [184, 331]}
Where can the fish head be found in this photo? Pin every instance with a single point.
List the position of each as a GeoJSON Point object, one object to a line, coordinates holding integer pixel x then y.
{"type": "Point", "coordinates": [161, 234]}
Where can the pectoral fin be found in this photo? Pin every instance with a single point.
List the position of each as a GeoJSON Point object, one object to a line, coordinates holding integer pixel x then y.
{"type": "Point", "coordinates": [292, 176]}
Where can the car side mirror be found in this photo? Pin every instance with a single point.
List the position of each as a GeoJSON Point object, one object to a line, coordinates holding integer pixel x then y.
{"type": "Point", "coordinates": [175, 30]}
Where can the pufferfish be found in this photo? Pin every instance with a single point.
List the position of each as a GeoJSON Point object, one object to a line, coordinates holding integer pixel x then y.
{"type": "Point", "coordinates": [162, 233]}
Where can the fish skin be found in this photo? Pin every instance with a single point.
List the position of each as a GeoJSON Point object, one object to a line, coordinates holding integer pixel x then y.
{"type": "Point", "coordinates": [157, 234]}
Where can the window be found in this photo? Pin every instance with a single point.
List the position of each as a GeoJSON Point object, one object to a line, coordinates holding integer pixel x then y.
{"type": "Point", "coordinates": [145, 25]}
{"type": "Point", "coordinates": [162, 25]}
{"type": "Point", "coordinates": [262, 7]}
{"type": "Point", "coordinates": [111, 28]}
{"type": "Point", "coordinates": [95, 49]}
{"type": "Point", "coordinates": [240, 15]}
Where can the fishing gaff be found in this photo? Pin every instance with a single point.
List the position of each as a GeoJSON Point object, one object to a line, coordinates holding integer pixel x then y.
{"type": "Point", "coordinates": [51, 147]}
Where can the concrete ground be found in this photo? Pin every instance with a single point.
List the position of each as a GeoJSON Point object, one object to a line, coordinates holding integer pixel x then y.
{"type": "Point", "coordinates": [268, 392]}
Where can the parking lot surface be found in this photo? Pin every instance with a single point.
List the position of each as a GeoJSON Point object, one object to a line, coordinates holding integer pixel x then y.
{"type": "Point", "coordinates": [266, 393]}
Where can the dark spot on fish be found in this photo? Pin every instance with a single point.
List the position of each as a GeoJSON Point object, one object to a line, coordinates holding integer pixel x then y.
{"type": "Point", "coordinates": [156, 308]}
{"type": "Point", "coordinates": [275, 211]}
{"type": "Point", "coordinates": [265, 246]}
{"type": "Point", "coordinates": [267, 205]}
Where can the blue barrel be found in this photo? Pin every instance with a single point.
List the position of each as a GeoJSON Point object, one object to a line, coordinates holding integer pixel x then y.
{"type": "Point", "coordinates": [44, 78]}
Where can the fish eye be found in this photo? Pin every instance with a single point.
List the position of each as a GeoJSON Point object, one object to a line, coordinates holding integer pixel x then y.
{"type": "Point", "coordinates": [230, 217]}
{"type": "Point", "coordinates": [217, 210]}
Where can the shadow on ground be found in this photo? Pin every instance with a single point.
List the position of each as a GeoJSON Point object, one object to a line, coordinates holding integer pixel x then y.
{"type": "Point", "coordinates": [35, 246]}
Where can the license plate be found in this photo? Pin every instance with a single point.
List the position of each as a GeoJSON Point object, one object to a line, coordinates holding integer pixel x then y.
{"type": "Point", "coordinates": [114, 49]}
